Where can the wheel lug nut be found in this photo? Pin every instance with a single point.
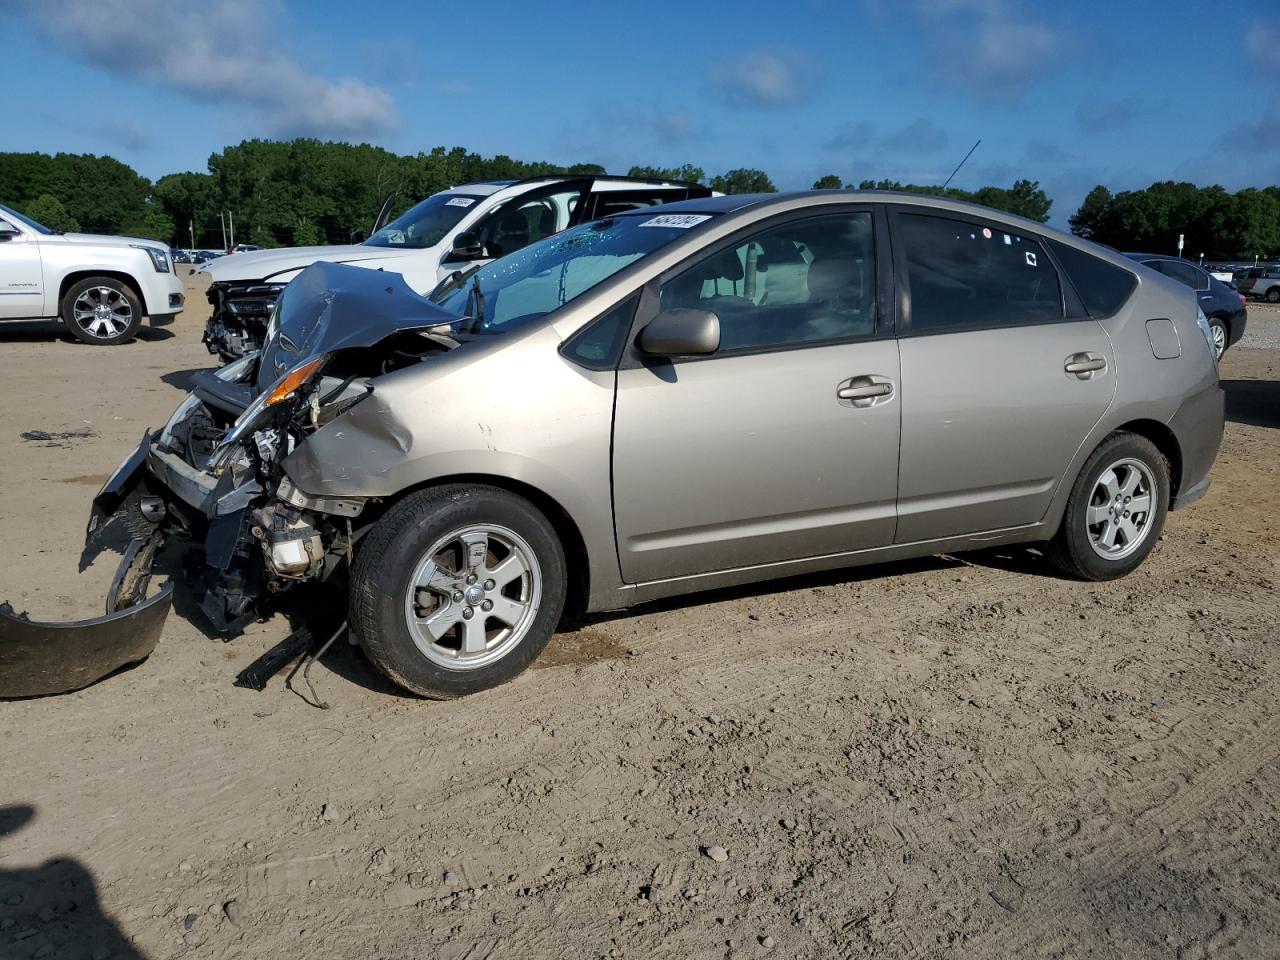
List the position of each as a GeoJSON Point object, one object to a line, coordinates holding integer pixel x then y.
{"type": "Point", "coordinates": [457, 596]}
{"type": "Point", "coordinates": [489, 584]}
{"type": "Point", "coordinates": [487, 605]}
{"type": "Point", "coordinates": [472, 578]}
{"type": "Point", "coordinates": [467, 613]}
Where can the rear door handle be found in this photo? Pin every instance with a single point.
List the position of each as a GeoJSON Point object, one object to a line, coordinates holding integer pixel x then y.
{"type": "Point", "coordinates": [1085, 365]}
{"type": "Point", "coordinates": [865, 391]}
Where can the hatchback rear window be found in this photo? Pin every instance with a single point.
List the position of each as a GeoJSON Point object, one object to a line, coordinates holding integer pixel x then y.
{"type": "Point", "coordinates": [1103, 287]}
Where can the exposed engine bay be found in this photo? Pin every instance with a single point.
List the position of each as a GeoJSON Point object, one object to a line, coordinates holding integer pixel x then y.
{"type": "Point", "coordinates": [241, 312]}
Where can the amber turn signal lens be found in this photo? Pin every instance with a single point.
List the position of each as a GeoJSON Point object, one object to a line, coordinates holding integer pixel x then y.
{"type": "Point", "coordinates": [292, 380]}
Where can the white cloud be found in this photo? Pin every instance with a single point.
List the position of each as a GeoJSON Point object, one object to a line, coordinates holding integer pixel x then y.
{"type": "Point", "coordinates": [992, 49]}
{"type": "Point", "coordinates": [226, 51]}
{"type": "Point", "coordinates": [764, 78]}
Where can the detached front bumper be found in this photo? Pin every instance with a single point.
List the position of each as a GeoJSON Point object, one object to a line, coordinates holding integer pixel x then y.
{"type": "Point", "coordinates": [39, 658]}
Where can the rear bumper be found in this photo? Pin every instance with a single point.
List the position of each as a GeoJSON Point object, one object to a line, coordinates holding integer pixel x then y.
{"type": "Point", "coordinates": [1198, 428]}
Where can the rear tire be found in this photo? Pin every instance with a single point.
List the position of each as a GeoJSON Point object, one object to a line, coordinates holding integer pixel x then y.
{"type": "Point", "coordinates": [1221, 336]}
{"type": "Point", "coordinates": [1116, 510]}
{"type": "Point", "coordinates": [413, 580]}
{"type": "Point", "coordinates": [102, 311]}
{"type": "Point", "coordinates": [1273, 295]}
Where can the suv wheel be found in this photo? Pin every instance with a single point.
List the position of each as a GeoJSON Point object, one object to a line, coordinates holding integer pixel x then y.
{"type": "Point", "coordinates": [102, 311]}
{"type": "Point", "coordinates": [457, 589]}
{"type": "Point", "coordinates": [1116, 511]}
{"type": "Point", "coordinates": [1273, 295]}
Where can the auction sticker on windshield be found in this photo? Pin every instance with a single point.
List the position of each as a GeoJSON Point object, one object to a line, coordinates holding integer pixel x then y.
{"type": "Point", "coordinates": [681, 220]}
{"type": "Point", "coordinates": [459, 202]}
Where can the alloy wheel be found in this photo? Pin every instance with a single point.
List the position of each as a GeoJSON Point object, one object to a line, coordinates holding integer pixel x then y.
{"type": "Point", "coordinates": [473, 596]}
{"type": "Point", "coordinates": [1219, 339]}
{"type": "Point", "coordinates": [1120, 509]}
{"type": "Point", "coordinates": [102, 312]}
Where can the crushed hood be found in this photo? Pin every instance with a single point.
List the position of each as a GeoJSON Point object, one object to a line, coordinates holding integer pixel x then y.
{"type": "Point", "coordinates": [331, 307]}
{"type": "Point", "coordinates": [269, 264]}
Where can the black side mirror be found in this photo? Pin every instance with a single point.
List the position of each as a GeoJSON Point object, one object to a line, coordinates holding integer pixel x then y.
{"type": "Point", "coordinates": [680, 332]}
{"type": "Point", "coordinates": [467, 246]}
{"type": "Point", "coordinates": [357, 236]}
{"type": "Point", "coordinates": [7, 231]}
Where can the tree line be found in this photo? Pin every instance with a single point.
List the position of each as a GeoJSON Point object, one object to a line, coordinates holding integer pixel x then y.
{"type": "Point", "coordinates": [304, 192]}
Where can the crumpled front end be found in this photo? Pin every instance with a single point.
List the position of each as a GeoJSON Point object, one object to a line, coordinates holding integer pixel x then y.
{"type": "Point", "coordinates": [237, 325]}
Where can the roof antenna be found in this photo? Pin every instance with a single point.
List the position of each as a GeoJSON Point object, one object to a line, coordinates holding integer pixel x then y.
{"type": "Point", "coordinates": [961, 163]}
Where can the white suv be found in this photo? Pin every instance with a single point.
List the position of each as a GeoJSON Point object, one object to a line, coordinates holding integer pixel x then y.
{"type": "Point", "coordinates": [458, 228]}
{"type": "Point", "coordinates": [100, 287]}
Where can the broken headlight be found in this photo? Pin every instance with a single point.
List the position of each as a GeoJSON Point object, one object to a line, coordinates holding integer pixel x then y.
{"type": "Point", "coordinates": [284, 389]}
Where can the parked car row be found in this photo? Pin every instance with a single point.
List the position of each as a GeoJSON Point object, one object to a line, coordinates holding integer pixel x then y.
{"type": "Point", "coordinates": [660, 401]}
{"type": "Point", "coordinates": [1260, 282]}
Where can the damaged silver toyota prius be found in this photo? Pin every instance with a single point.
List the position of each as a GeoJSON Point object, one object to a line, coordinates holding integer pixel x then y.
{"type": "Point", "coordinates": [731, 390]}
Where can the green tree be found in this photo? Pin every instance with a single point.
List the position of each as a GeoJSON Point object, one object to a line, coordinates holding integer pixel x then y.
{"type": "Point", "coordinates": [687, 172]}
{"type": "Point", "coordinates": [1090, 220]}
{"type": "Point", "coordinates": [306, 234]}
{"type": "Point", "coordinates": [743, 180]}
{"type": "Point", "coordinates": [48, 210]}
{"type": "Point", "coordinates": [828, 182]}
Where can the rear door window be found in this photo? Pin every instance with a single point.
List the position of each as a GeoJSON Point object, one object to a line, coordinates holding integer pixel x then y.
{"type": "Point", "coordinates": [967, 275]}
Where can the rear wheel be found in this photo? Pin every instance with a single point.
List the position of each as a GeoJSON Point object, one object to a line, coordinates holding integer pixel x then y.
{"type": "Point", "coordinates": [1273, 295]}
{"type": "Point", "coordinates": [457, 589]}
{"type": "Point", "coordinates": [1116, 511]}
{"type": "Point", "coordinates": [1218, 329]}
{"type": "Point", "coordinates": [102, 311]}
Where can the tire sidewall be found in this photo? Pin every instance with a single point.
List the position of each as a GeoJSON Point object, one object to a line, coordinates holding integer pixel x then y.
{"type": "Point", "coordinates": [1074, 533]}
{"type": "Point", "coordinates": [84, 336]}
{"type": "Point", "coordinates": [393, 550]}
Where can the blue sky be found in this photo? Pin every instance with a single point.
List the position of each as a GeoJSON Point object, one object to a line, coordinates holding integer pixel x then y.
{"type": "Point", "coordinates": [1070, 94]}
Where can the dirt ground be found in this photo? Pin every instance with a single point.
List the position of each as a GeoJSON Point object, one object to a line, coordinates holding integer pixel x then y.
{"type": "Point", "coordinates": [954, 757]}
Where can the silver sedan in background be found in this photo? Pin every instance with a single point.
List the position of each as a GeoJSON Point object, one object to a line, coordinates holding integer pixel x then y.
{"type": "Point", "coordinates": [732, 389]}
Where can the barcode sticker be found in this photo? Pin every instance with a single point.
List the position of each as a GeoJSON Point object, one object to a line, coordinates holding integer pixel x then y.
{"type": "Point", "coordinates": [681, 221]}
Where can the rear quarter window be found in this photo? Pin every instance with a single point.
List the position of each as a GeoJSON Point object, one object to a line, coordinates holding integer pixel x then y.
{"type": "Point", "coordinates": [1103, 287]}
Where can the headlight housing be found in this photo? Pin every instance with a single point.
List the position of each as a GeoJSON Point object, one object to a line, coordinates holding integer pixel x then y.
{"type": "Point", "coordinates": [159, 258]}
{"type": "Point", "coordinates": [255, 414]}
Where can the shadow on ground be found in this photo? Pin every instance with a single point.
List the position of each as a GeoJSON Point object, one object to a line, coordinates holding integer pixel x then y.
{"type": "Point", "coordinates": [1255, 402]}
{"type": "Point", "coordinates": [54, 907]}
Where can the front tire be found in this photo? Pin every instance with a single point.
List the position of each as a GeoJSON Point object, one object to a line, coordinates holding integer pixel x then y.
{"type": "Point", "coordinates": [1116, 510]}
{"type": "Point", "coordinates": [457, 589]}
{"type": "Point", "coordinates": [1273, 295]}
{"type": "Point", "coordinates": [102, 311]}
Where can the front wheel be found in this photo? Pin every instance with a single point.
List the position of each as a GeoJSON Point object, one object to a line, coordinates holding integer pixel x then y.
{"type": "Point", "coordinates": [457, 589]}
{"type": "Point", "coordinates": [102, 311]}
{"type": "Point", "coordinates": [1116, 511]}
{"type": "Point", "coordinates": [1273, 295]}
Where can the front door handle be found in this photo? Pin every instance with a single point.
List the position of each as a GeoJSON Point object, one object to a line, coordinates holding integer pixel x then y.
{"type": "Point", "coordinates": [865, 391]}
{"type": "Point", "coordinates": [1085, 365]}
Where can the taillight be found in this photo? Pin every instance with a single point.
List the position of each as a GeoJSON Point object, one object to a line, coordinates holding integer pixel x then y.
{"type": "Point", "coordinates": [1244, 301]}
